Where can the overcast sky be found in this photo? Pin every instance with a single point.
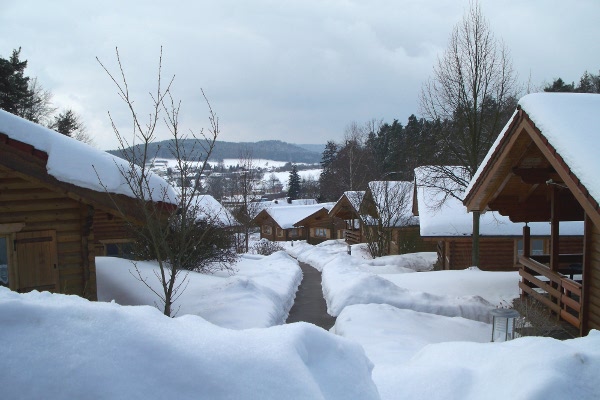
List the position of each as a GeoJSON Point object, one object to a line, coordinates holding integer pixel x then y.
{"type": "Point", "coordinates": [298, 71]}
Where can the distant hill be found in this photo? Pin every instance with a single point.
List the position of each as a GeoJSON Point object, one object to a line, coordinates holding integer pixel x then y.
{"type": "Point", "coordinates": [319, 148]}
{"type": "Point", "coordinates": [275, 150]}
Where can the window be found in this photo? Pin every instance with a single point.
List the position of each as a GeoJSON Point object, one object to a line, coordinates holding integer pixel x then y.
{"type": "Point", "coordinates": [294, 232]}
{"type": "Point", "coordinates": [3, 261]}
{"type": "Point", "coordinates": [279, 232]}
{"type": "Point", "coordinates": [321, 232]}
{"type": "Point", "coordinates": [121, 250]}
{"type": "Point", "coordinates": [266, 229]}
{"type": "Point", "coordinates": [537, 247]}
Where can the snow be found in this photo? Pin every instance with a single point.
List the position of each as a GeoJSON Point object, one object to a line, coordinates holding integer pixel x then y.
{"type": "Point", "coordinates": [65, 347]}
{"type": "Point", "coordinates": [347, 282]}
{"type": "Point", "coordinates": [355, 198]}
{"type": "Point", "coordinates": [209, 208]}
{"type": "Point", "coordinates": [498, 288]}
{"type": "Point", "coordinates": [77, 163]}
{"type": "Point", "coordinates": [73, 348]}
{"type": "Point", "coordinates": [391, 337]}
{"type": "Point", "coordinates": [287, 216]}
{"type": "Point", "coordinates": [425, 356]}
{"type": "Point", "coordinates": [570, 123]}
{"type": "Point", "coordinates": [308, 174]}
{"type": "Point", "coordinates": [258, 295]}
{"type": "Point", "coordinates": [452, 218]}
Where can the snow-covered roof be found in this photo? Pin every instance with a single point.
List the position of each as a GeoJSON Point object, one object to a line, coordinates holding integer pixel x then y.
{"type": "Point", "coordinates": [452, 218]}
{"type": "Point", "coordinates": [393, 200]}
{"type": "Point", "coordinates": [570, 122]}
{"type": "Point", "coordinates": [283, 202]}
{"type": "Point", "coordinates": [210, 209]}
{"type": "Point", "coordinates": [287, 216]}
{"type": "Point", "coordinates": [77, 163]}
{"type": "Point", "coordinates": [355, 197]}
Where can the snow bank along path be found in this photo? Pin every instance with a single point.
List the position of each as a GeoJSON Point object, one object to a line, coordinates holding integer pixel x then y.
{"type": "Point", "coordinates": [66, 347]}
{"type": "Point", "coordinates": [346, 283]}
{"type": "Point", "coordinates": [430, 357]}
{"type": "Point", "coordinates": [259, 294]}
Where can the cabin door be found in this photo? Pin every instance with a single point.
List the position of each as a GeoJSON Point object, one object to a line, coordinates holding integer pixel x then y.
{"type": "Point", "coordinates": [36, 260]}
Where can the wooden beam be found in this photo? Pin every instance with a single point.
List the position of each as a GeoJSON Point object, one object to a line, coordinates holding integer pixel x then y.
{"type": "Point", "coordinates": [554, 230]}
{"type": "Point", "coordinates": [523, 198]}
{"type": "Point", "coordinates": [526, 241]}
{"type": "Point", "coordinates": [534, 175]}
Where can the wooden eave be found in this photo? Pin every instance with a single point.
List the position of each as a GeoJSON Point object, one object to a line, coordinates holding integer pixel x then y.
{"type": "Point", "coordinates": [317, 216]}
{"type": "Point", "coordinates": [29, 164]}
{"type": "Point", "coordinates": [263, 217]}
{"type": "Point", "coordinates": [343, 209]}
{"type": "Point", "coordinates": [523, 170]}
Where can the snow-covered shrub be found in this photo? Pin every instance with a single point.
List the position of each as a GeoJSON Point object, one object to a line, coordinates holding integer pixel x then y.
{"type": "Point", "coordinates": [265, 247]}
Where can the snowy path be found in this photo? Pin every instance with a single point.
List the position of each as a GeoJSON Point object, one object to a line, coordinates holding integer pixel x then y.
{"type": "Point", "coordinates": [309, 305]}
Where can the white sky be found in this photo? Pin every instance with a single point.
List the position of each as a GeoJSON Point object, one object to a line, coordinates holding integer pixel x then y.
{"type": "Point", "coordinates": [298, 71]}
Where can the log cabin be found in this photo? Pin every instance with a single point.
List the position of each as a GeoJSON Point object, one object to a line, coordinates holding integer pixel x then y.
{"type": "Point", "coordinates": [544, 167]}
{"type": "Point", "coordinates": [320, 226]}
{"type": "Point", "coordinates": [446, 223]}
{"type": "Point", "coordinates": [278, 223]}
{"type": "Point", "coordinates": [62, 202]}
{"type": "Point", "coordinates": [387, 209]}
{"type": "Point", "coordinates": [347, 209]}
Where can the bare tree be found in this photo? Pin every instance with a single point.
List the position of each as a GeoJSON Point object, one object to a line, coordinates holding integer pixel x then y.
{"type": "Point", "coordinates": [385, 208]}
{"type": "Point", "coordinates": [472, 93]}
{"type": "Point", "coordinates": [246, 211]}
{"type": "Point", "coordinates": [174, 230]}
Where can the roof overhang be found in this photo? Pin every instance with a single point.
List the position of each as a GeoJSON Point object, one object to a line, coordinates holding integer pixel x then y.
{"type": "Point", "coordinates": [523, 173]}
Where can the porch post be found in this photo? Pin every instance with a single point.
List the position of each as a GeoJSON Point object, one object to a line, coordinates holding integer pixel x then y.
{"type": "Point", "coordinates": [526, 241]}
{"type": "Point", "coordinates": [475, 249]}
{"type": "Point", "coordinates": [554, 231]}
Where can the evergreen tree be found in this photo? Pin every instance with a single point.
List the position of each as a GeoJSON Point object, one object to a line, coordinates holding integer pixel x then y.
{"type": "Point", "coordinates": [15, 96]}
{"type": "Point", "coordinates": [294, 189]}
{"type": "Point", "coordinates": [327, 179]}
{"type": "Point", "coordinates": [559, 86]}
{"type": "Point", "coordinates": [67, 123]}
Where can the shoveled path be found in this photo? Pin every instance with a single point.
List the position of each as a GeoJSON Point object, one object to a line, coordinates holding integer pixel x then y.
{"type": "Point", "coordinates": [310, 305]}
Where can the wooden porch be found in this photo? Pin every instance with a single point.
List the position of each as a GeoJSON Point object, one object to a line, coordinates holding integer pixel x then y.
{"type": "Point", "coordinates": [558, 292]}
{"type": "Point", "coordinates": [352, 236]}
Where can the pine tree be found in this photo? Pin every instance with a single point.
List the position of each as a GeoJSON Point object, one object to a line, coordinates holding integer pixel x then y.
{"type": "Point", "coordinates": [327, 191]}
{"type": "Point", "coordinates": [15, 95]}
{"type": "Point", "coordinates": [67, 123]}
{"type": "Point", "coordinates": [294, 189]}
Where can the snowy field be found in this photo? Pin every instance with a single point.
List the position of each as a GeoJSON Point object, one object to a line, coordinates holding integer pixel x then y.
{"type": "Point", "coordinates": [284, 177]}
{"type": "Point", "coordinates": [382, 345]}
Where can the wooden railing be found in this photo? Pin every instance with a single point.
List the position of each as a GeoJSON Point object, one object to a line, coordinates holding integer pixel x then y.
{"type": "Point", "coordinates": [559, 293]}
{"type": "Point", "coordinates": [352, 237]}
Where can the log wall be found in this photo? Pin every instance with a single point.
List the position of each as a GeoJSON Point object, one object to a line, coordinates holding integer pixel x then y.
{"type": "Point", "coordinates": [41, 209]}
{"type": "Point", "coordinates": [495, 254]}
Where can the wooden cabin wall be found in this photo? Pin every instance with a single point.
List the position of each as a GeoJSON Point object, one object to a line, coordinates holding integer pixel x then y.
{"type": "Point", "coordinates": [591, 280]}
{"type": "Point", "coordinates": [333, 225]}
{"type": "Point", "coordinates": [494, 254]}
{"type": "Point", "coordinates": [408, 240]}
{"type": "Point", "coordinates": [570, 245]}
{"type": "Point", "coordinates": [41, 209]}
{"type": "Point", "coordinates": [108, 227]}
